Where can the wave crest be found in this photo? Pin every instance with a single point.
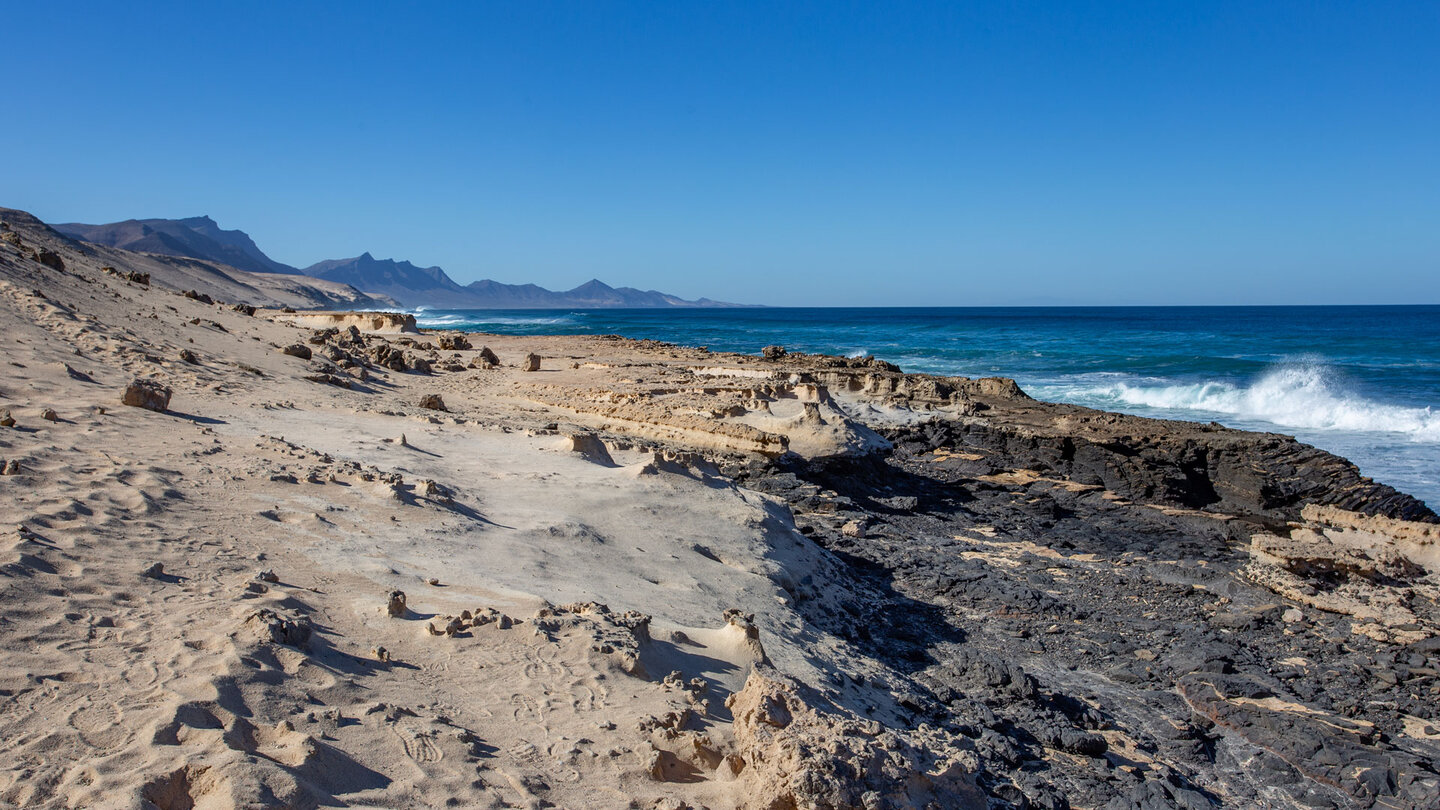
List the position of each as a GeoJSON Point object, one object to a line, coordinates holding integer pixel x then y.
{"type": "Point", "coordinates": [424, 319]}
{"type": "Point", "coordinates": [1303, 395]}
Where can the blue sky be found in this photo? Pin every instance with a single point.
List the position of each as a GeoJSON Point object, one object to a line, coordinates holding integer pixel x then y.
{"type": "Point", "coordinates": [788, 153]}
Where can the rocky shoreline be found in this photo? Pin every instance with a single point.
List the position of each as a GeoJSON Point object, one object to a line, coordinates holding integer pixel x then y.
{"type": "Point", "coordinates": [327, 559]}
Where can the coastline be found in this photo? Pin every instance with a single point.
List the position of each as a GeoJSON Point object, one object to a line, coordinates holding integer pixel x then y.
{"type": "Point", "coordinates": [1359, 382]}
{"type": "Point", "coordinates": [644, 573]}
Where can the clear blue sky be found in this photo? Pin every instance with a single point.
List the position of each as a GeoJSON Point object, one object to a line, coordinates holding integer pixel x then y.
{"type": "Point", "coordinates": [788, 153]}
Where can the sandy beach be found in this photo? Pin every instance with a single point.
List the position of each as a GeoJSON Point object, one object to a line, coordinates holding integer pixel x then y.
{"type": "Point", "coordinates": [330, 560]}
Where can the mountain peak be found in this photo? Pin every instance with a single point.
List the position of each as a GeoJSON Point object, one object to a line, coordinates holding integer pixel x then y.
{"type": "Point", "coordinates": [594, 285]}
{"type": "Point", "coordinates": [194, 237]}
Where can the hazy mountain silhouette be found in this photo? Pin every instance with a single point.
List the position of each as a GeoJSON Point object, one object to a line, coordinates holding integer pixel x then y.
{"type": "Point", "coordinates": [200, 238]}
{"type": "Point", "coordinates": [191, 238]}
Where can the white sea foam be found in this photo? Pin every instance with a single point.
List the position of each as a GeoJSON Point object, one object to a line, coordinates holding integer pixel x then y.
{"type": "Point", "coordinates": [857, 354]}
{"type": "Point", "coordinates": [1301, 395]}
{"type": "Point", "coordinates": [422, 318]}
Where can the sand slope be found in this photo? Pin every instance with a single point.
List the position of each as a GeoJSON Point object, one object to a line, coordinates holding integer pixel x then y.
{"type": "Point", "coordinates": [258, 665]}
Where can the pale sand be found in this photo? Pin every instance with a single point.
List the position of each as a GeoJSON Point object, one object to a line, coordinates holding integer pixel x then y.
{"type": "Point", "coordinates": [197, 687]}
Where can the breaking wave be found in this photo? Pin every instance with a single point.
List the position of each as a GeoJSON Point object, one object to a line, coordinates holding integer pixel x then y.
{"type": "Point", "coordinates": [1302, 395]}
{"type": "Point", "coordinates": [475, 320]}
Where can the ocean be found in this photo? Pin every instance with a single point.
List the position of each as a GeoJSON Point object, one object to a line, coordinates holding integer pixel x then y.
{"type": "Point", "coordinates": [1362, 382]}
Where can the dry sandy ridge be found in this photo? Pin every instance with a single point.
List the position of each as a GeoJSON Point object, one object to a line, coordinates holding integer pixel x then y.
{"type": "Point", "coordinates": [199, 602]}
{"type": "Point", "coordinates": [196, 599]}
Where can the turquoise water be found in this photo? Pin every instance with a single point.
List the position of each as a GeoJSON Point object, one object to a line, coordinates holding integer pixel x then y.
{"type": "Point", "coordinates": [1363, 382]}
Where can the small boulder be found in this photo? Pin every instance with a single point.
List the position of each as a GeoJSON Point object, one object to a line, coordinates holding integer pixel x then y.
{"type": "Point", "coordinates": [299, 350]}
{"type": "Point", "coordinates": [432, 402]}
{"type": "Point", "coordinates": [396, 605]}
{"type": "Point", "coordinates": [455, 342]}
{"type": "Point", "coordinates": [243, 309]}
{"type": "Point", "coordinates": [155, 571]}
{"type": "Point", "coordinates": [1292, 616]}
{"type": "Point", "coordinates": [188, 356]}
{"type": "Point", "coordinates": [532, 363]}
{"type": "Point", "coordinates": [487, 356]}
{"type": "Point", "coordinates": [271, 627]}
{"type": "Point", "coordinates": [854, 528]}
{"type": "Point", "coordinates": [772, 352]}
{"type": "Point", "coordinates": [329, 379]}
{"type": "Point", "coordinates": [198, 296]}
{"type": "Point", "coordinates": [6, 420]}
{"type": "Point", "coordinates": [50, 259]}
{"type": "Point", "coordinates": [148, 394]}
{"type": "Point", "coordinates": [49, 415]}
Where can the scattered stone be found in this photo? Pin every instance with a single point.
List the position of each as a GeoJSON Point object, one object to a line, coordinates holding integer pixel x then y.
{"type": "Point", "coordinates": [1292, 616]}
{"type": "Point", "coordinates": [772, 352]}
{"type": "Point", "coordinates": [329, 379]}
{"type": "Point", "coordinates": [188, 356]}
{"type": "Point", "coordinates": [532, 363]}
{"type": "Point", "coordinates": [49, 415]}
{"type": "Point", "coordinates": [299, 350]}
{"type": "Point", "coordinates": [198, 296]}
{"type": "Point", "coordinates": [11, 467]}
{"type": "Point", "coordinates": [268, 576]}
{"type": "Point", "coordinates": [455, 342]}
{"type": "Point", "coordinates": [396, 605]}
{"type": "Point", "coordinates": [148, 394]}
{"type": "Point", "coordinates": [50, 259]}
{"type": "Point", "coordinates": [433, 581]}
{"type": "Point", "coordinates": [6, 420]}
{"type": "Point", "coordinates": [854, 528]}
{"type": "Point", "coordinates": [243, 309]}
{"type": "Point", "coordinates": [432, 402]}
{"type": "Point", "coordinates": [380, 654]}
{"type": "Point", "coordinates": [155, 571]}
{"type": "Point", "coordinates": [269, 626]}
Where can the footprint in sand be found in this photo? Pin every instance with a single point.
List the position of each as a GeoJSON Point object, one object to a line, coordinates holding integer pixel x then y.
{"type": "Point", "coordinates": [99, 726]}
{"type": "Point", "coordinates": [527, 709]}
{"type": "Point", "coordinates": [419, 744]}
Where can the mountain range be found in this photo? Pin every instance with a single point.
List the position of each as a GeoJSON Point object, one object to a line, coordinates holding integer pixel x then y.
{"type": "Point", "coordinates": [412, 286]}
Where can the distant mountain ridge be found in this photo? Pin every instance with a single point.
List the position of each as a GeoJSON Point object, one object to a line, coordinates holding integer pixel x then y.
{"type": "Point", "coordinates": [220, 280]}
{"type": "Point", "coordinates": [190, 238]}
{"type": "Point", "coordinates": [410, 285]}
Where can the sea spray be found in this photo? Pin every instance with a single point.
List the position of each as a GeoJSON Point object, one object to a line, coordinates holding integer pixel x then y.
{"type": "Point", "coordinates": [1305, 395]}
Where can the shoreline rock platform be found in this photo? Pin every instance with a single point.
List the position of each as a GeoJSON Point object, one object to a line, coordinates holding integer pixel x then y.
{"type": "Point", "coordinates": [610, 573]}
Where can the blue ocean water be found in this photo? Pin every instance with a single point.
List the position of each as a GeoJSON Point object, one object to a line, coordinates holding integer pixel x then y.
{"type": "Point", "coordinates": [1362, 382]}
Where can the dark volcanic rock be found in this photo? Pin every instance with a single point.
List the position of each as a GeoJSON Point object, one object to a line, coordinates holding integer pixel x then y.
{"type": "Point", "coordinates": [1072, 591]}
{"type": "Point", "coordinates": [1197, 466]}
